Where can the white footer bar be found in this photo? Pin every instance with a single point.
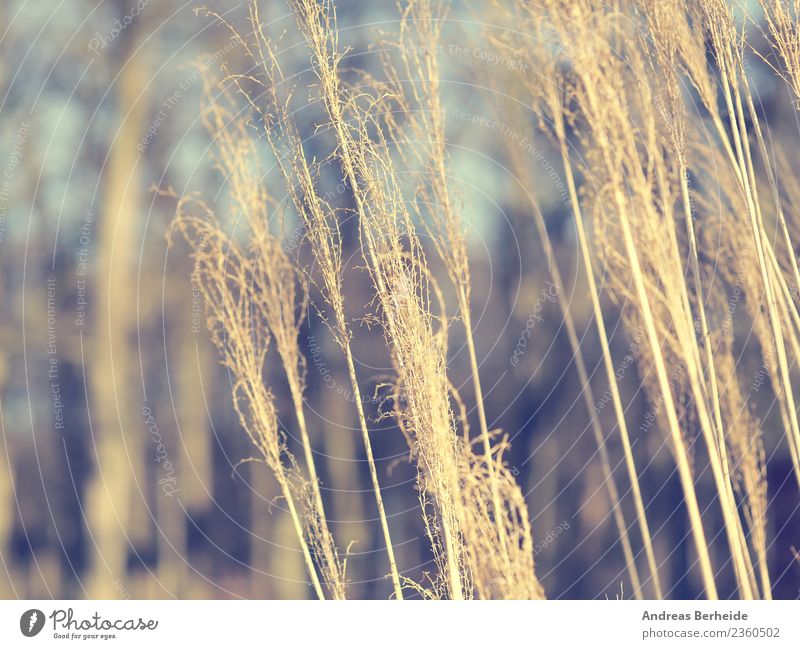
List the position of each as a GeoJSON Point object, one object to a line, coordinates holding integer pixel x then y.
{"type": "Point", "coordinates": [385, 625]}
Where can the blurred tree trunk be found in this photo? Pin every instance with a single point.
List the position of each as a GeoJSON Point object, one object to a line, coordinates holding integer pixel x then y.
{"type": "Point", "coordinates": [196, 371]}
{"type": "Point", "coordinates": [7, 500]}
{"type": "Point", "coordinates": [342, 444]}
{"type": "Point", "coordinates": [191, 447]}
{"type": "Point", "coordinates": [116, 512]}
{"type": "Point", "coordinates": [278, 570]}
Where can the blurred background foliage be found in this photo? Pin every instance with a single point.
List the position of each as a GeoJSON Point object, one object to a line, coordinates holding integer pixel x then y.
{"type": "Point", "coordinates": [121, 469]}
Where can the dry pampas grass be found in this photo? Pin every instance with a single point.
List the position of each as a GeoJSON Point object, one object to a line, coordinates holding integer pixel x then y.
{"type": "Point", "coordinates": [672, 211]}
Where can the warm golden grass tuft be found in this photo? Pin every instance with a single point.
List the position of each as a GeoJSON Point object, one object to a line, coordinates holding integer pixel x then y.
{"type": "Point", "coordinates": [672, 212]}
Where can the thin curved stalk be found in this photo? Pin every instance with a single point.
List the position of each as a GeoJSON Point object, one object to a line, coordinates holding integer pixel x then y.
{"type": "Point", "coordinates": [608, 363]}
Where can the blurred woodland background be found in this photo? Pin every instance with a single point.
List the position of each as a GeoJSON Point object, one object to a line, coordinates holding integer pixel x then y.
{"type": "Point", "coordinates": [124, 470]}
